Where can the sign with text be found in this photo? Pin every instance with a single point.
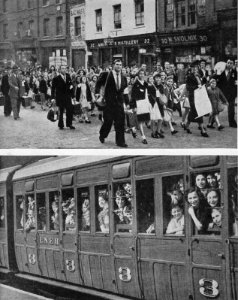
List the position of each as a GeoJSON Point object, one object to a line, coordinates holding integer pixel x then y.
{"type": "Point", "coordinates": [77, 26]}
{"type": "Point", "coordinates": [184, 39]}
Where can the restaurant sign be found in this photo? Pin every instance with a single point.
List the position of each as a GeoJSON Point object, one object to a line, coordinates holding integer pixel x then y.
{"type": "Point", "coordinates": [184, 39]}
{"type": "Point", "coordinates": [110, 42]}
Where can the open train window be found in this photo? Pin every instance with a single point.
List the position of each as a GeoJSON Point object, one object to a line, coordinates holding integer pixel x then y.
{"type": "Point", "coordinates": [30, 213]}
{"type": "Point", "coordinates": [173, 205]}
{"type": "Point", "coordinates": [19, 212]}
{"type": "Point", "coordinates": [145, 206]}
{"type": "Point", "coordinates": [54, 210]}
{"type": "Point", "coordinates": [122, 196]}
{"type": "Point", "coordinates": [83, 209]}
{"type": "Point", "coordinates": [68, 210]}
{"type": "Point", "coordinates": [41, 211]}
{"type": "Point", "coordinates": [232, 181]}
{"type": "Point", "coordinates": [205, 203]}
{"type": "Point", "coordinates": [102, 208]}
{"type": "Point", "coordinates": [2, 212]}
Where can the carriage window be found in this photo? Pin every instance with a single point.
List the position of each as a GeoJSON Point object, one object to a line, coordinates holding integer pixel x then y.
{"type": "Point", "coordinates": [41, 211]}
{"type": "Point", "coordinates": [19, 212]}
{"type": "Point", "coordinates": [173, 205]}
{"type": "Point", "coordinates": [102, 208]}
{"type": "Point", "coordinates": [2, 213]}
{"type": "Point", "coordinates": [122, 196]}
{"type": "Point", "coordinates": [205, 205]}
{"type": "Point", "coordinates": [232, 181]}
{"type": "Point", "coordinates": [54, 210]}
{"type": "Point", "coordinates": [69, 210]}
{"type": "Point", "coordinates": [145, 206]}
{"type": "Point", "coordinates": [30, 216]}
{"type": "Point", "coordinates": [84, 209]}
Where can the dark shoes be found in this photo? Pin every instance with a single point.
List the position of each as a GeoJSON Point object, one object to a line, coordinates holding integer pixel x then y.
{"type": "Point", "coordinates": [133, 134]}
{"type": "Point", "coordinates": [61, 128]}
{"type": "Point", "coordinates": [159, 134]}
{"type": "Point", "coordinates": [204, 134]}
{"type": "Point", "coordinates": [71, 127]}
{"type": "Point", "coordinates": [174, 124]}
{"type": "Point", "coordinates": [220, 127]}
{"type": "Point", "coordinates": [234, 125]}
{"type": "Point", "coordinates": [88, 121]}
{"type": "Point", "coordinates": [124, 145]}
{"type": "Point", "coordinates": [101, 139]}
{"type": "Point", "coordinates": [189, 131]}
{"type": "Point", "coordinates": [154, 135]}
{"type": "Point", "coordinates": [144, 141]}
{"type": "Point", "coordinates": [174, 132]}
{"type": "Point", "coordinates": [210, 126]}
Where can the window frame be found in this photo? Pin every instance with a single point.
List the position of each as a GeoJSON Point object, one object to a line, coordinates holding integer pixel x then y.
{"type": "Point", "coordinates": [37, 211]}
{"type": "Point", "coordinates": [61, 218]}
{"type": "Point", "coordinates": [98, 17]}
{"type": "Point", "coordinates": [2, 199]}
{"type": "Point", "coordinates": [78, 29]}
{"type": "Point", "coordinates": [229, 169]}
{"type": "Point", "coordinates": [5, 31]}
{"type": "Point", "coordinates": [192, 3]}
{"type": "Point", "coordinates": [117, 21]}
{"type": "Point", "coordinates": [59, 25]}
{"type": "Point", "coordinates": [5, 6]}
{"type": "Point", "coordinates": [180, 15]}
{"type": "Point", "coordinates": [80, 187]}
{"type": "Point", "coordinates": [45, 3]}
{"type": "Point", "coordinates": [139, 14]}
{"type": "Point", "coordinates": [46, 27]}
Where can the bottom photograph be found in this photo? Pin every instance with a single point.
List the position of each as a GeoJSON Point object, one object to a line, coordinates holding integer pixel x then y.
{"type": "Point", "coordinates": [119, 227]}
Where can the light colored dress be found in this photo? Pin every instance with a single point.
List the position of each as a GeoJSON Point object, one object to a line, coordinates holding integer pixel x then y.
{"type": "Point", "coordinates": [174, 224]}
{"type": "Point", "coordinates": [83, 96]}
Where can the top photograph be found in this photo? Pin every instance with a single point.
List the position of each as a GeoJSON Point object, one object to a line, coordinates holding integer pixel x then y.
{"type": "Point", "coordinates": [117, 74]}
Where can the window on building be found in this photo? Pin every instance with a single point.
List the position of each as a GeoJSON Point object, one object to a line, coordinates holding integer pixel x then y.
{"type": "Point", "coordinates": [5, 31]}
{"type": "Point", "coordinates": [46, 2]}
{"type": "Point", "coordinates": [191, 12]}
{"type": "Point", "coordinates": [4, 6]}
{"type": "Point", "coordinates": [59, 25]}
{"type": "Point", "coordinates": [19, 29]}
{"type": "Point", "coordinates": [30, 27]}
{"type": "Point", "coordinates": [117, 16]}
{"type": "Point", "coordinates": [77, 26]}
{"type": "Point", "coordinates": [139, 12]}
{"type": "Point", "coordinates": [29, 4]}
{"type": "Point", "coordinates": [169, 13]}
{"type": "Point", "coordinates": [2, 212]}
{"type": "Point", "coordinates": [19, 3]}
{"type": "Point", "coordinates": [41, 211]}
{"type": "Point", "coordinates": [46, 28]}
{"type": "Point", "coordinates": [180, 13]}
{"type": "Point", "coordinates": [98, 20]}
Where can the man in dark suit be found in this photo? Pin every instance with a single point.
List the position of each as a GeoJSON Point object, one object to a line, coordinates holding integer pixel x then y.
{"type": "Point", "coordinates": [115, 94]}
{"type": "Point", "coordinates": [5, 87]}
{"type": "Point", "coordinates": [63, 92]}
{"type": "Point", "coordinates": [14, 84]}
{"type": "Point", "coordinates": [227, 82]}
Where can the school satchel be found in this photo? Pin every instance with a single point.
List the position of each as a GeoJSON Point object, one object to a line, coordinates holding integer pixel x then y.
{"type": "Point", "coordinates": [143, 107]}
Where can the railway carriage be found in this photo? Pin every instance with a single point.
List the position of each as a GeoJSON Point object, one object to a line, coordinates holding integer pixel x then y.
{"type": "Point", "coordinates": [102, 223]}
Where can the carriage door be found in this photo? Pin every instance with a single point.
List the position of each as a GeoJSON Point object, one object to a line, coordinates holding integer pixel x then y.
{"type": "Point", "coordinates": [206, 212]}
{"type": "Point", "coordinates": [232, 245]}
{"type": "Point", "coordinates": [124, 242]}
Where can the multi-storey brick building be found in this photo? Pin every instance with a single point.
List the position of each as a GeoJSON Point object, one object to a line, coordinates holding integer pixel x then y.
{"type": "Point", "coordinates": [189, 30]}
{"type": "Point", "coordinates": [124, 28]}
{"type": "Point", "coordinates": [33, 30]}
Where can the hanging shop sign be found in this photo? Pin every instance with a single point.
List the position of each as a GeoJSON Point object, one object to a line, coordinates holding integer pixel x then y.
{"type": "Point", "coordinates": [77, 26]}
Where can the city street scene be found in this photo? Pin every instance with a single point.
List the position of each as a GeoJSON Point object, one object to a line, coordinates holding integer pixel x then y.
{"type": "Point", "coordinates": [118, 74]}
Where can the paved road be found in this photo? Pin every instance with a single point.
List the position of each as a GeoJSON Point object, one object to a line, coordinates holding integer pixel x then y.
{"type": "Point", "coordinates": [34, 131]}
{"type": "Point", "coordinates": [10, 293]}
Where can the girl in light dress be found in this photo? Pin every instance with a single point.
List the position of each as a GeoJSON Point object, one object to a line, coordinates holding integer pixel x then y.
{"type": "Point", "coordinates": [84, 97]}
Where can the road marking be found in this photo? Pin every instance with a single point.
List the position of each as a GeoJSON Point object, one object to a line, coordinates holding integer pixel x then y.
{"type": "Point", "coordinates": [23, 292]}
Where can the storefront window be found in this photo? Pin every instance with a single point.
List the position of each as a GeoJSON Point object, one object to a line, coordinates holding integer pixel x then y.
{"type": "Point", "coordinates": [30, 215]}
{"type": "Point", "coordinates": [84, 209]}
{"type": "Point", "coordinates": [19, 212]}
{"type": "Point", "coordinates": [54, 210]}
{"type": "Point", "coordinates": [2, 213]}
{"type": "Point", "coordinates": [68, 210]}
{"type": "Point", "coordinates": [173, 205]}
{"type": "Point", "coordinates": [102, 208]}
{"type": "Point", "coordinates": [145, 206]}
{"type": "Point", "coordinates": [232, 182]}
{"type": "Point", "coordinates": [41, 211]}
{"type": "Point", "coordinates": [122, 196]}
{"type": "Point", "coordinates": [205, 203]}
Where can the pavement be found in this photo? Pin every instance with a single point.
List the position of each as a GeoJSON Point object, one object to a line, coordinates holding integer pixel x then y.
{"type": "Point", "coordinates": [34, 131]}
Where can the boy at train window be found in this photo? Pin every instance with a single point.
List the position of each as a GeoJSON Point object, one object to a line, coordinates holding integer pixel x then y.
{"type": "Point", "coordinates": [176, 224]}
{"type": "Point", "coordinates": [216, 219]}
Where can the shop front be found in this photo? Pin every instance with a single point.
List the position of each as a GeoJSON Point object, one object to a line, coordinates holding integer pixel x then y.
{"type": "Point", "coordinates": [5, 54]}
{"type": "Point", "coordinates": [133, 50]}
{"type": "Point", "coordinates": [25, 52]}
{"type": "Point", "coordinates": [186, 47]}
{"type": "Point", "coordinates": [52, 48]}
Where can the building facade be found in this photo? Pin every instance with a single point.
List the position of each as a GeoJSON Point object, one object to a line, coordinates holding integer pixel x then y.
{"type": "Point", "coordinates": [124, 29]}
{"type": "Point", "coordinates": [33, 31]}
{"type": "Point", "coordinates": [189, 30]}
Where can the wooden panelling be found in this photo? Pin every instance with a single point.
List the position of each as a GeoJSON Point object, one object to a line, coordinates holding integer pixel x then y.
{"type": "Point", "coordinates": [32, 260]}
{"type": "Point", "coordinates": [235, 285]}
{"type": "Point", "coordinates": [67, 179]}
{"type": "Point", "coordinates": [108, 275]}
{"type": "Point", "coordinates": [72, 271]}
{"type": "Point", "coordinates": [232, 159]}
{"type": "Point", "coordinates": [204, 161]}
{"type": "Point", "coordinates": [42, 262]}
{"type": "Point", "coordinates": [234, 253]}
{"type": "Point", "coordinates": [24, 259]}
{"type": "Point", "coordinates": [2, 189]}
{"type": "Point", "coordinates": [199, 273]}
{"type": "Point", "coordinates": [122, 245]}
{"type": "Point", "coordinates": [147, 279]}
{"type": "Point", "coordinates": [95, 244]}
{"type": "Point", "coordinates": [3, 258]}
{"type": "Point", "coordinates": [206, 252]}
{"type": "Point", "coordinates": [95, 266]}
{"type": "Point", "coordinates": [163, 249]}
{"type": "Point", "coordinates": [18, 187]}
{"type": "Point", "coordinates": [92, 175]}
{"type": "Point", "coordinates": [19, 258]}
{"type": "Point", "coordinates": [68, 241]}
{"type": "Point", "coordinates": [47, 183]}
{"type": "Point", "coordinates": [162, 281]}
{"type": "Point", "coordinates": [59, 267]}
{"type": "Point", "coordinates": [158, 165]}
{"type": "Point", "coordinates": [19, 237]}
{"type": "Point", "coordinates": [3, 235]}
{"type": "Point", "coordinates": [179, 288]}
{"type": "Point", "coordinates": [31, 238]}
{"type": "Point", "coordinates": [86, 270]}
{"type": "Point", "coordinates": [50, 263]}
{"type": "Point", "coordinates": [29, 186]}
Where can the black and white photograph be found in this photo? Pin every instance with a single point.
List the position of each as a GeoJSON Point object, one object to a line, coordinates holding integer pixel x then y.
{"type": "Point", "coordinates": [118, 74]}
{"type": "Point", "coordinates": [119, 227]}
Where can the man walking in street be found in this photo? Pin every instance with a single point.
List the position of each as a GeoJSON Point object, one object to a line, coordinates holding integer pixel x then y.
{"type": "Point", "coordinates": [115, 94]}
{"type": "Point", "coordinates": [63, 92]}
{"type": "Point", "coordinates": [14, 91]}
{"type": "Point", "coordinates": [5, 87]}
{"type": "Point", "coordinates": [227, 82]}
